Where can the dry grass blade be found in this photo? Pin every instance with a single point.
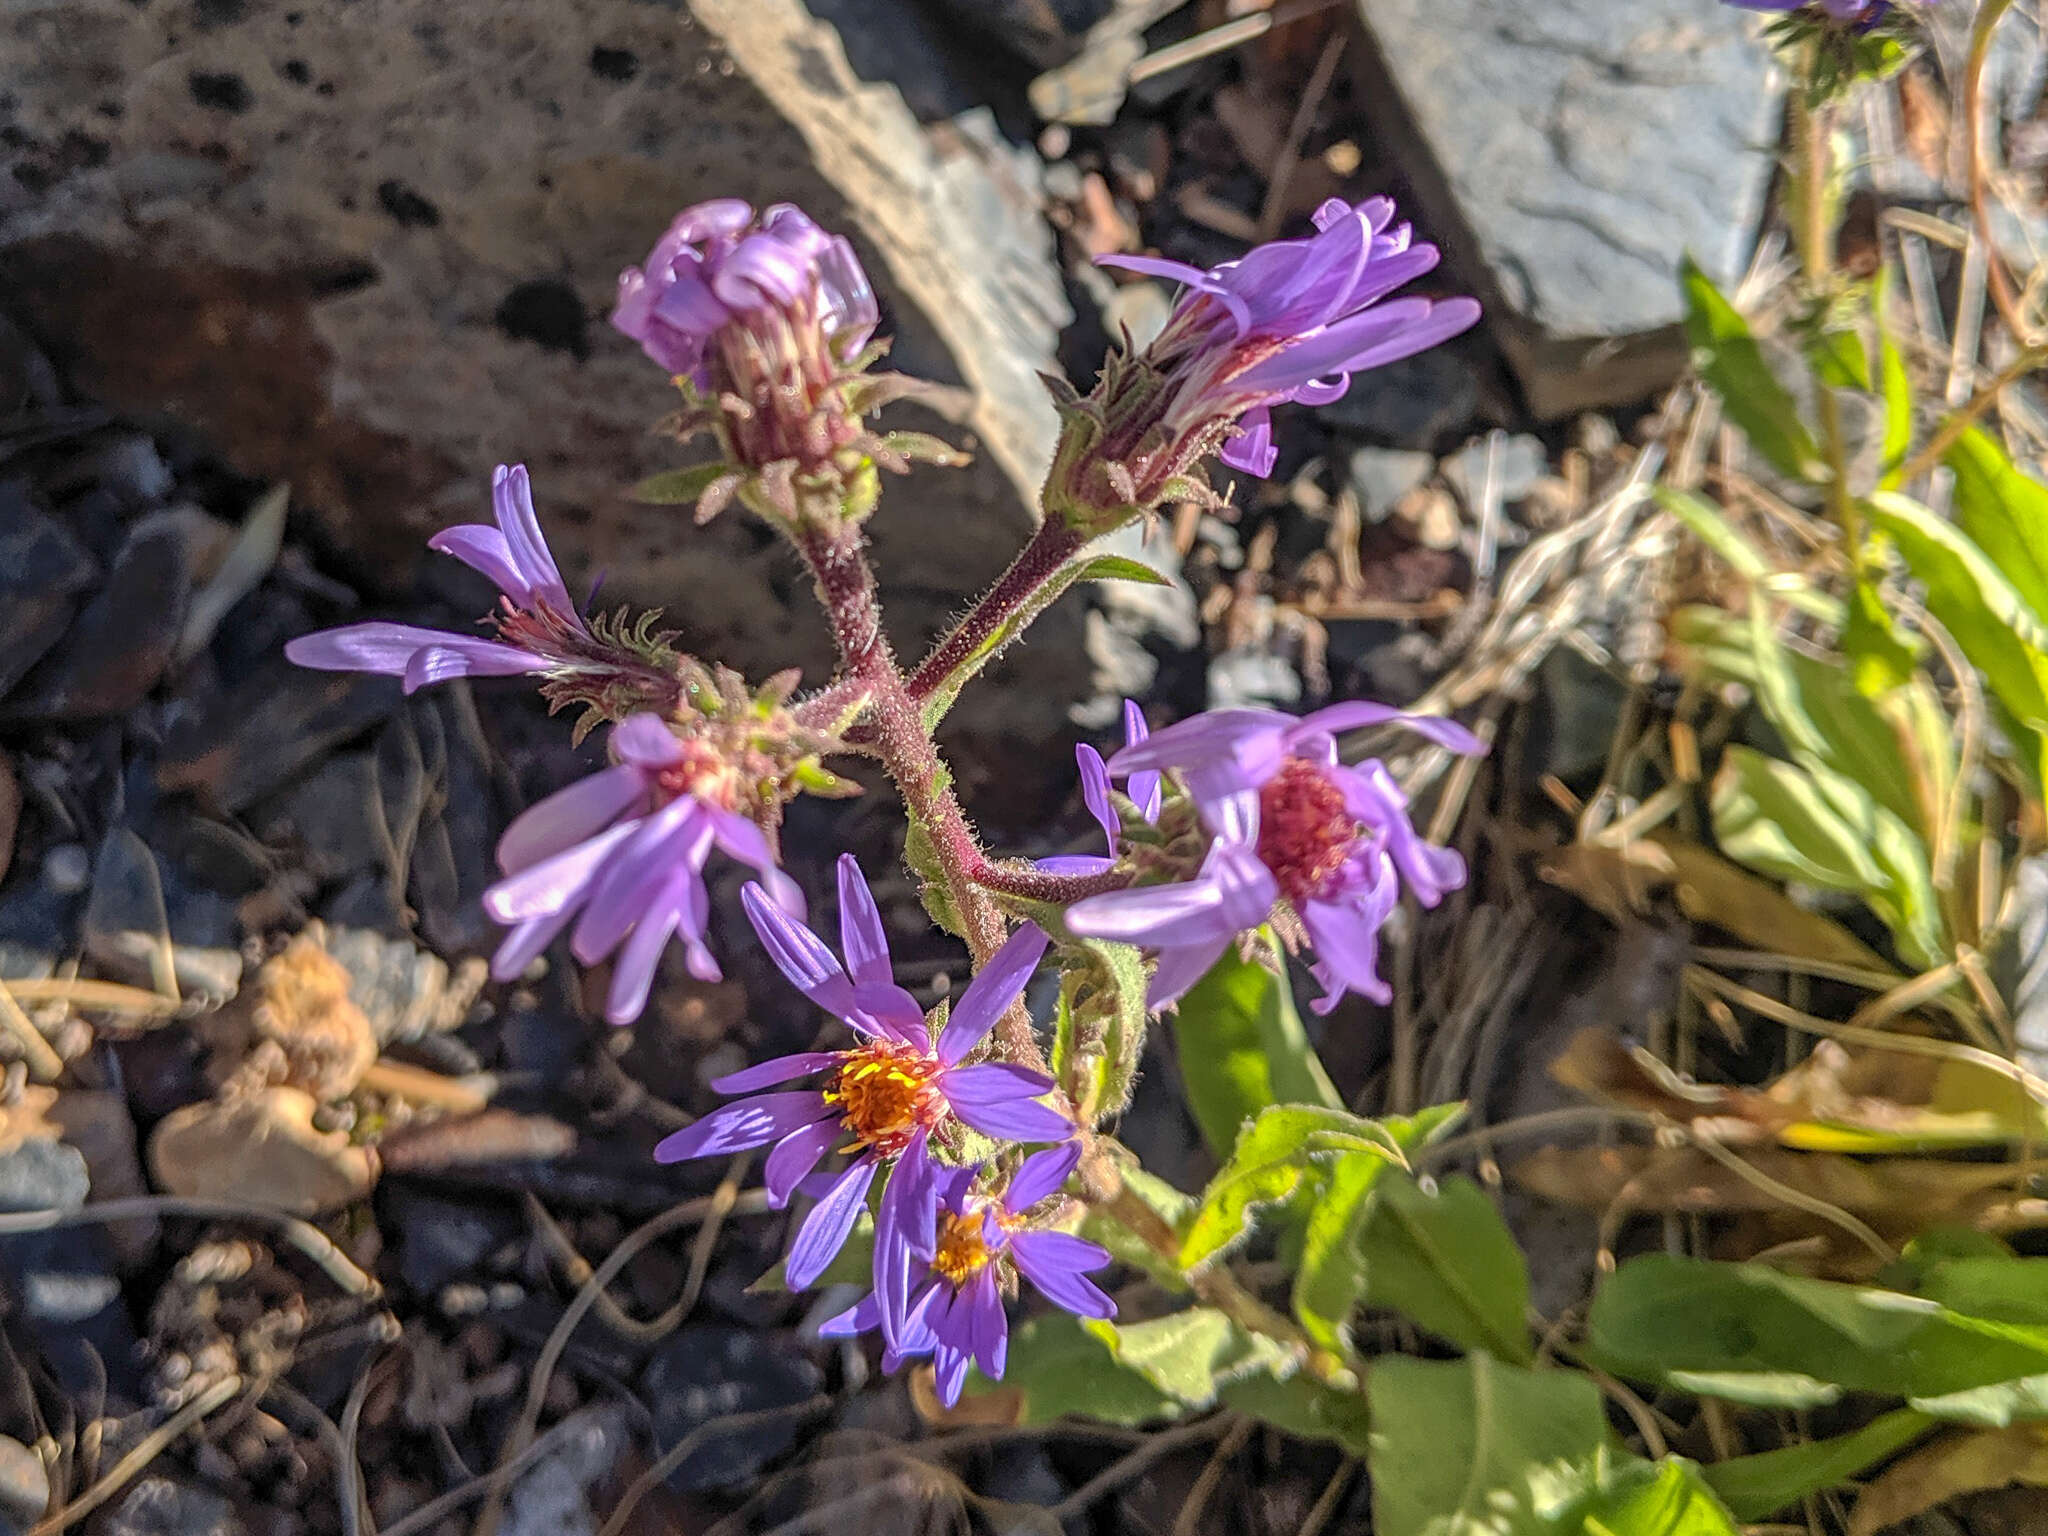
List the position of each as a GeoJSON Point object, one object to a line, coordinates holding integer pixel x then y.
{"type": "Point", "coordinates": [302, 1235]}
{"type": "Point", "coordinates": [151, 1446]}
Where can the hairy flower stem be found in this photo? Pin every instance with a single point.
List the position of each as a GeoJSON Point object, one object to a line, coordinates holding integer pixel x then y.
{"type": "Point", "coordinates": [1105, 1189]}
{"type": "Point", "coordinates": [1017, 594]}
{"type": "Point", "coordinates": [846, 590]}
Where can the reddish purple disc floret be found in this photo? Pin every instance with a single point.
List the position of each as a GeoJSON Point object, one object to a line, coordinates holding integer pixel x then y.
{"type": "Point", "coordinates": [1291, 824]}
{"type": "Point", "coordinates": [537, 623]}
{"type": "Point", "coordinates": [1293, 320]}
{"type": "Point", "coordinates": [947, 1263]}
{"type": "Point", "coordinates": [885, 1097]}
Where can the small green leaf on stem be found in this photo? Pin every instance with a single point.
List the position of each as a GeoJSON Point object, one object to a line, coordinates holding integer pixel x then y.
{"type": "Point", "coordinates": [1730, 360]}
{"type": "Point", "coordinates": [679, 487]}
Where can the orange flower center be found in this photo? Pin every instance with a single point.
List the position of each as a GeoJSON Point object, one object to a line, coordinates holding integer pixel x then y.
{"type": "Point", "coordinates": [962, 1250]}
{"type": "Point", "coordinates": [1305, 829]}
{"type": "Point", "coordinates": [884, 1092]}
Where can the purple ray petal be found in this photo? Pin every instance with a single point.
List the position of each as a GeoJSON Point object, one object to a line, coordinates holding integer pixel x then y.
{"type": "Point", "coordinates": [781, 1069]}
{"type": "Point", "coordinates": [862, 938]}
{"type": "Point", "coordinates": [1073, 864]}
{"type": "Point", "coordinates": [861, 1317]}
{"type": "Point", "coordinates": [1095, 792]}
{"type": "Point", "coordinates": [1000, 1099]}
{"type": "Point", "coordinates": [543, 889]}
{"type": "Point", "coordinates": [1000, 983]}
{"type": "Point", "coordinates": [903, 1234]}
{"type": "Point", "coordinates": [525, 942]}
{"type": "Point", "coordinates": [673, 838]}
{"type": "Point", "coordinates": [1041, 1174]}
{"type": "Point", "coordinates": [1179, 968]}
{"type": "Point", "coordinates": [1143, 788]}
{"type": "Point", "coordinates": [988, 1330]}
{"type": "Point", "coordinates": [823, 1233]}
{"type": "Point", "coordinates": [798, 953]}
{"type": "Point", "coordinates": [1154, 266]}
{"type": "Point", "coordinates": [795, 1156]}
{"type": "Point", "coordinates": [483, 549]}
{"type": "Point", "coordinates": [1052, 1261]}
{"type": "Point", "coordinates": [640, 956]}
{"type": "Point", "coordinates": [512, 501]}
{"type": "Point", "coordinates": [1219, 735]}
{"type": "Point", "coordinates": [1347, 943]}
{"type": "Point", "coordinates": [744, 841]}
{"type": "Point", "coordinates": [949, 1371]}
{"type": "Point", "coordinates": [1354, 714]}
{"type": "Point", "coordinates": [1251, 447]}
{"type": "Point", "coordinates": [889, 1011]}
{"type": "Point", "coordinates": [644, 742]}
{"type": "Point", "coordinates": [390, 648]}
{"type": "Point", "coordinates": [738, 1127]}
{"type": "Point", "coordinates": [569, 816]}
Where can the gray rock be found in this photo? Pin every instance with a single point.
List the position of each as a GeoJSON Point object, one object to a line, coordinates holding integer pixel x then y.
{"type": "Point", "coordinates": [1415, 403]}
{"type": "Point", "coordinates": [706, 1372]}
{"type": "Point", "coordinates": [1251, 678]}
{"type": "Point", "coordinates": [445, 1240]}
{"type": "Point", "coordinates": [1130, 625]}
{"type": "Point", "coordinates": [119, 645]}
{"type": "Point", "coordinates": [1382, 476]}
{"type": "Point", "coordinates": [156, 1506]}
{"type": "Point", "coordinates": [213, 753]}
{"type": "Point", "coordinates": [39, 1173]}
{"type": "Point", "coordinates": [412, 233]}
{"type": "Point", "coordinates": [42, 571]}
{"type": "Point", "coordinates": [24, 1483]}
{"type": "Point", "coordinates": [552, 1497]}
{"type": "Point", "coordinates": [1523, 461]}
{"type": "Point", "coordinates": [1582, 148]}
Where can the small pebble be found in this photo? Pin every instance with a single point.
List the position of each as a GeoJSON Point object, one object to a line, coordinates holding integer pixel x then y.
{"type": "Point", "coordinates": [67, 869]}
{"type": "Point", "coordinates": [24, 1483]}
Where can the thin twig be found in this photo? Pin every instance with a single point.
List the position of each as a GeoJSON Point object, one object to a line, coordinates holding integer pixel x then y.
{"type": "Point", "coordinates": [1798, 1199]}
{"type": "Point", "coordinates": [44, 1064]}
{"type": "Point", "coordinates": [1325, 1506]}
{"type": "Point", "coordinates": [686, 1214]}
{"type": "Point", "coordinates": [1125, 1468]}
{"type": "Point", "coordinates": [1198, 1496]}
{"type": "Point", "coordinates": [1274, 209]}
{"type": "Point", "coordinates": [302, 1235]}
{"type": "Point", "coordinates": [676, 1454]}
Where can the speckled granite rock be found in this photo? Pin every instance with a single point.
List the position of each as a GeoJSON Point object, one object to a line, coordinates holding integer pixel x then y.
{"type": "Point", "coordinates": [369, 249]}
{"type": "Point", "coordinates": [1581, 147]}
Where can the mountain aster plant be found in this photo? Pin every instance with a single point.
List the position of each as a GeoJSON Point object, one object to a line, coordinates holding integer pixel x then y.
{"type": "Point", "coordinates": [966, 1155]}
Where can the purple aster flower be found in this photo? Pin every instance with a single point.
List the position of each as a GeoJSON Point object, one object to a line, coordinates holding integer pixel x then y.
{"type": "Point", "coordinates": [1291, 824]}
{"type": "Point", "coordinates": [718, 267]}
{"type": "Point", "coordinates": [1862, 14]}
{"type": "Point", "coordinates": [963, 1256]}
{"type": "Point", "coordinates": [1143, 789]}
{"type": "Point", "coordinates": [885, 1097]}
{"type": "Point", "coordinates": [1291, 320]}
{"type": "Point", "coordinates": [621, 854]}
{"type": "Point", "coordinates": [539, 626]}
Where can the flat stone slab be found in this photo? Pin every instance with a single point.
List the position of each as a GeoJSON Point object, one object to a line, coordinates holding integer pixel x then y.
{"type": "Point", "coordinates": [1579, 149]}
{"type": "Point", "coordinates": [369, 249]}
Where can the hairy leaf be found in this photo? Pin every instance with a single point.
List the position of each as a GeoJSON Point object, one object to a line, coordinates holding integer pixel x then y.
{"type": "Point", "coordinates": [1191, 1355]}
{"type": "Point", "coordinates": [1058, 1366]}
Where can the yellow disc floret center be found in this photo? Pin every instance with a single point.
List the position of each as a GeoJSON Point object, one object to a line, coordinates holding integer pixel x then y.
{"type": "Point", "coordinates": [962, 1249]}
{"type": "Point", "coordinates": [884, 1092]}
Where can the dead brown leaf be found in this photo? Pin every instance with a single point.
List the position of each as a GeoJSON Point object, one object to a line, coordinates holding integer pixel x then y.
{"type": "Point", "coordinates": [1955, 1464]}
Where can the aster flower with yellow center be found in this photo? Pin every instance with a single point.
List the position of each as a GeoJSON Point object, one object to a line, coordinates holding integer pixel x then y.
{"type": "Point", "coordinates": [885, 1098]}
{"type": "Point", "coordinates": [962, 1252]}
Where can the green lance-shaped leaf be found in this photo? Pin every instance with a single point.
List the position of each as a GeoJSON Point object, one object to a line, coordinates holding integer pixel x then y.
{"type": "Point", "coordinates": [1122, 568]}
{"type": "Point", "coordinates": [2005, 513]}
{"type": "Point", "coordinates": [1446, 1260]}
{"type": "Point", "coordinates": [1893, 382]}
{"type": "Point", "coordinates": [1754, 1334]}
{"type": "Point", "coordinates": [680, 487]}
{"type": "Point", "coordinates": [1711, 526]}
{"type": "Point", "coordinates": [1654, 1498]}
{"type": "Point", "coordinates": [1990, 619]}
{"type": "Point", "coordinates": [1242, 1048]}
{"type": "Point", "coordinates": [1730, 360]}
{"type": "Point", "coordinates": [1757, 1487]}
{"type": "Point", "coordinates": [1817, 826]}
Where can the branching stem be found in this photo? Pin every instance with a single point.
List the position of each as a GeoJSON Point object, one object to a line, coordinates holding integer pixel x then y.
{"type": "Point", "coordinates": [1012, 596]}
{"type": "Point", "coordinates": [846, 590]}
